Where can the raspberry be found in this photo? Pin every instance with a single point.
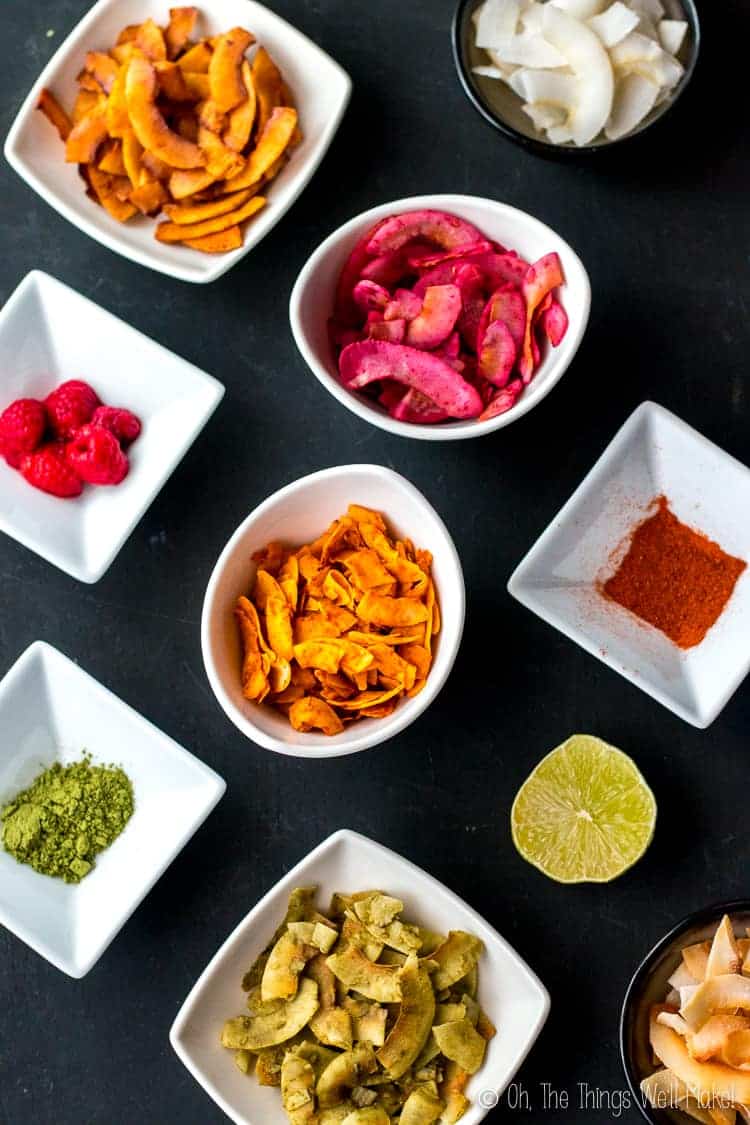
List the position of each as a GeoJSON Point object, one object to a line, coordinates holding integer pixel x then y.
{"type": "Point", "coordinates": [48, 470]}
{"type": "Point", "coordinates": [70, 407]}
{"type": "Point", "coordinates": [122, 423]}
{"type": "Point", "coordinates": [22, 428]}
{"type": "Point", "coordinates": [95, 455]}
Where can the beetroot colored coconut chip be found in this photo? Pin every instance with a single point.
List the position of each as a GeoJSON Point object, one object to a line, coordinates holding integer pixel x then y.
{"type": "Point", "coordinates": [436, 322]}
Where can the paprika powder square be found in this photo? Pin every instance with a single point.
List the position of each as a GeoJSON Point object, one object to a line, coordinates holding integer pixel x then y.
{"type": "Point", "coordinates": [52, 711]}
{"type": "Point", "coordinates": [654, 455]}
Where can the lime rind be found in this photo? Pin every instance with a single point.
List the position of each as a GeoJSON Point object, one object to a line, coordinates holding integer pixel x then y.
{"type": "Point", "coordinates": [585, 814]}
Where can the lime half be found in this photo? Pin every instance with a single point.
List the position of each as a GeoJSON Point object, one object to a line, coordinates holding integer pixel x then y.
{"type": "Point", "coordinates": [585, 814]}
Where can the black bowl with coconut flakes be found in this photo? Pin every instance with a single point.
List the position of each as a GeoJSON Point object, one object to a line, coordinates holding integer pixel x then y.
{"type": "Point", "coordinates": [503, 109]}
{"type": "Point", "coordinates": [650, 985]}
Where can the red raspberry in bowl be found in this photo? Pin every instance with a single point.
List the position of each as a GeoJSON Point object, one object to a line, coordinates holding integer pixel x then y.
{"type": "Point", "coordinates": [125, 425]}
{"type": "Point", "coordinates": [22, 427]}
{"type": "Point", "coordinates": [95, 455]}
{"type": "Point", "coordinates": [71, 406]}
{"type": "Point", "coordinates": [48, 470]}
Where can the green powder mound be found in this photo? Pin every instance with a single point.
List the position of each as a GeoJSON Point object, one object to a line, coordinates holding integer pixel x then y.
{"type": "Point", "coordinates": [66, 817]}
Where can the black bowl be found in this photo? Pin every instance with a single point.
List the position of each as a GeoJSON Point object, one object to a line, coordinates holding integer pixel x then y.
{"type": "Point", "coordinates": [502, 108]}
{"type": "Point", "coordinates": [649, 986]}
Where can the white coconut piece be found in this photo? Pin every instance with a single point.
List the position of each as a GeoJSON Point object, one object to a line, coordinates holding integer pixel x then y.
{"type": "Point", "coordinates": [545, 116]}
{"type": "Point", "coordinates": [532, 50]}
{"type": "Point", "coordinates": [672, 35]}
{"type": "Point", "coordinates": [515, 81]}
{"type": "Point", "coordinates": [653, 8]}
{"type": "Point", "coordinates": [590, 63]}
{"type": "Point", "coordinates": [488, 72]}
{"type": "Point", "coordinates": [634, 48]}
{"type": "Point", "coordinates": [531, 18]}
{"type": "Point", "coordinates": [614, 24]}
{"type": "Point", "coordinates": [550, 87]}
{"type": "Point", "coordinates": [635, 97]}
{"type": "Point", "coordinates": [580, 9]}
{"type": "Point", "coordinates": [637, 54]}
{"type": "Point", "coordinates": [505, 68]}
{"type": "Point", "coordinates": [560, 134]}
{"type": "Point", "coordinates": [682, 977]}
{"type": "Point", "coordinates": [497, 22]}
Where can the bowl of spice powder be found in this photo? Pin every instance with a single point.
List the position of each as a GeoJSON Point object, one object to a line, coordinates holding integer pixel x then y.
{"type": "Point", "coordinates": [646, 566]}
{"type": "Point", "coordinates": [95, 803]}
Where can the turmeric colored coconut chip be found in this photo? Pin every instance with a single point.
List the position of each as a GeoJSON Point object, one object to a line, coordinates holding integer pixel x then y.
{"type": "Point", "coordinates": [339, 629]}
{"type": "Point", "coordinates": [164, 123]}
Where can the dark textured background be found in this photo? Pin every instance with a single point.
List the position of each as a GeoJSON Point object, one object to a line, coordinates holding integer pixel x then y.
{"type": "Point", "coordinates": [663, 230]}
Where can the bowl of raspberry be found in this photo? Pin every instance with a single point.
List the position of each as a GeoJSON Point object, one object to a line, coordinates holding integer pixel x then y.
{"type": "Point", "coordinates": [88, 435]}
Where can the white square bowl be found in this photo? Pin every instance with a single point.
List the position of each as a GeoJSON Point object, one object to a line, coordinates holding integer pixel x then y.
{"type": "Point", "coordinates": [321, 91]}
{"type": "Point", "coordinates": [51, 710]}
{"type": "Point", "coordinates": [655, 453]}
{"type": "Point", "coordinates": [510, 993]}
{"type": "Point", "coordinates": [48, 334]}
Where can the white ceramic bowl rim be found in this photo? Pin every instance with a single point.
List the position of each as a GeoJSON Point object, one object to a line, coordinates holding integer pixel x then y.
{"type": "Point", "coordinates": [369, 736]}
{"type": "Point", "coordinates": [557, 361]}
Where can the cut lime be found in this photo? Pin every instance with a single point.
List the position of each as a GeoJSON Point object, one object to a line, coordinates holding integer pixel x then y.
{"type": "Point", "coordinates": [585, 814]}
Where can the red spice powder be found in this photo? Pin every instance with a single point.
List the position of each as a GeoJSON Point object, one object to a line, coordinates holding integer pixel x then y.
{"type": "Point", "coordinates": [673, 577]}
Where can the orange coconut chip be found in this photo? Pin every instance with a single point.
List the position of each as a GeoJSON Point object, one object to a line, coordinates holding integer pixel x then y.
{"type": "Point", "coordinates": [351, 616]}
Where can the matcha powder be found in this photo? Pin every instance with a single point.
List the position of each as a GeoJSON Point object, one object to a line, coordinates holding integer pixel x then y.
{"type": "Point", "coordinates": [70, 814]}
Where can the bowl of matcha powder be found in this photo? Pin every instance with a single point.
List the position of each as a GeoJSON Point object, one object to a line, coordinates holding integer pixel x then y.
{"type": "Point", "coordinates": [67, 817]}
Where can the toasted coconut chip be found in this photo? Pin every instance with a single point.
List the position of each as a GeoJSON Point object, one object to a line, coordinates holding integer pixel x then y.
{"type": "Point", "coordinates": [220, 243]}
{"type": "Point", "coordinates": [255, 665]}
{"type": "Point", "coordinates": [736, 1050]}
{"type": "Point", "coordinates": [112, 192]}
{"type": "Point", "coordinates": [710, 1041]}
{"type": "Point", "coordinates": [422, 1107]}
{"type": "Point", "coordinates": [682, 977]}
{"type": "Point", "coordinates": [310, 713]}
{"type": "Point", "coordinates": [181, 26]}
{"type": "Point", "coordinates": [151, 129]}
{"type": "Point", "coordinates": [376, 982]}
{"type": "Point", "coordinates": [298, 1089]}
{"type": "Point", "coordinates": [186, 214]}
{"type": "Point", "coordinates": [86, 136]}
{"type": "Point", "coordinates": [345, 1072]}
{"type": "Point", "coordinates": [175, 232]}
{"type": "Point", "coordinates": [253, 1033]}
{"type": "Point", "coordinates": [676, 1022]}
{"type": "Point", "coordinates": [410, 1031]}
{"type": "Point", "coordinates": [710, 1082]}
{"type": "Point", "coordinates": [225, 69]}
{"type": "Point", "coordinates": [150, 40]}
{"type": "Point", "coordinates": [457, 955]}
{"type": "Point", "coordinates": [54, 112]}
{"type": "Point", "coordinates": [242, 117]}
{"type": "Point", "coordinates": [696, 959]}
{"type": "Point", "coordinates": [724, 956]}
{"type": "Point", "coordinates": [268, 86]}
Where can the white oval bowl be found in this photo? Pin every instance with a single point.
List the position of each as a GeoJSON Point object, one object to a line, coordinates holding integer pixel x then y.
{"type": "Point", "coordinates": [298, 514]}
{"type": "Point", "coordinates": [311, 306]}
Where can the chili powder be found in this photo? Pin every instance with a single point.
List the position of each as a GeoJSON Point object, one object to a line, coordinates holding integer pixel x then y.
{"type": "Point", "coordinates": [674, 577]}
